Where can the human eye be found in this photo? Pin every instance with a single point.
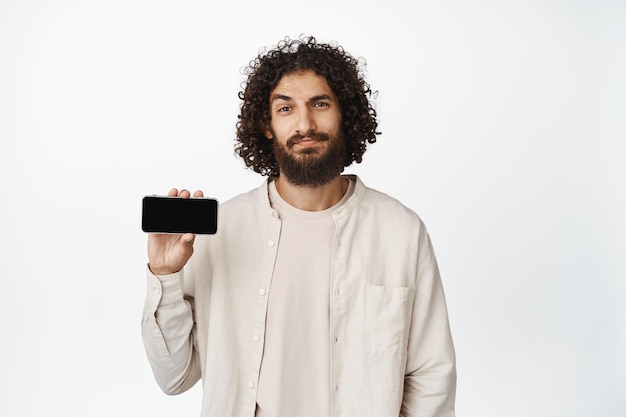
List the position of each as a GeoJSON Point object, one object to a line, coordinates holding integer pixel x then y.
{"type": "Point", "coordinates": [282, 109]}
{"type": "Point", "coordinates": [321, 104]}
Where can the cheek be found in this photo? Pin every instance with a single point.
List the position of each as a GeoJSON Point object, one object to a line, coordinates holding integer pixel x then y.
{"type": "Point", "coordinates": [334, 123]}
{"type": "Point", "coordinates": [279, 125]}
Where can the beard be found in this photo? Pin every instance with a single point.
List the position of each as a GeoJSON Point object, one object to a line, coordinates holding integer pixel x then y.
{"type": "Point", "coordinates": [311, 167]}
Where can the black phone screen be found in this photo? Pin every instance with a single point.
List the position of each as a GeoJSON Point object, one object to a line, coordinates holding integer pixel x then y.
{"type": "Point", "coordinates": [179, 215]}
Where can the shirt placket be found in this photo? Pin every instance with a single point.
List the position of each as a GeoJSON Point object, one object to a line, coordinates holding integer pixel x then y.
{"type": "Point", "coordinates": [261, 294]}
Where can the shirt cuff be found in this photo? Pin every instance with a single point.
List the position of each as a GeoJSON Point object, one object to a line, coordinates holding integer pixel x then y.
{"type": "Point", "coordinates": [168, 289]}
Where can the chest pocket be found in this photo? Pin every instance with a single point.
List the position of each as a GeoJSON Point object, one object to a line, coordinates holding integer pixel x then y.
{"type": "Point", "coordinates": [388, 315]}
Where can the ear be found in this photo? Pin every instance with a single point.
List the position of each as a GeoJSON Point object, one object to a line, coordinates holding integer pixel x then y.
{"type": "Point", "coordinates": [267, 131]}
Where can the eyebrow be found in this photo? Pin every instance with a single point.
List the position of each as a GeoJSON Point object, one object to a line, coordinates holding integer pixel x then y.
{"type": "Point", "coordinates": [280, 97]}
{"type": "Point", "coordinates": [312, 99]}
{"type": "Point", "coordinates": [320, 97]}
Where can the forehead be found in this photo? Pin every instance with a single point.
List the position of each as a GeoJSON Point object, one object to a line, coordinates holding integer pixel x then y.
{"type": "Point", "coordinates": [302, 83]}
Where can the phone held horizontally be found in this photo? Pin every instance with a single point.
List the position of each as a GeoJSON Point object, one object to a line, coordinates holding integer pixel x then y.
{"type": "Point", "coordinates": [179, 215]}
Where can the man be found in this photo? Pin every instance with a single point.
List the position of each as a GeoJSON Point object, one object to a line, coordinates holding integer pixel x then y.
{"type": "Point", "coordinates": [318, 296]}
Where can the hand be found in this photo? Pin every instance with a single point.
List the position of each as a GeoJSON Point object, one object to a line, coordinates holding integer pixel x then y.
{"type": "Point", "coordinates": [168, 253]}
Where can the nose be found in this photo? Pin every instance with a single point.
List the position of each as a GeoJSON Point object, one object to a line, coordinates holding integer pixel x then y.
{"type": "Point", "coordinates": [305, 122]}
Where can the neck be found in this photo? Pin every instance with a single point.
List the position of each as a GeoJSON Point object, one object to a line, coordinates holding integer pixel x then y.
{"type": "Point", "coordinates": [312, 198]}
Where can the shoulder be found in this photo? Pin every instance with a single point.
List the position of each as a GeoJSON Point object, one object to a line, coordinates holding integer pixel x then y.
{"type": "Point", "coordinates": [384, 206]}
{"type": "Point", "coordinates": [255, 199]}
{"type": "Point", "coordinates": [241, 219]}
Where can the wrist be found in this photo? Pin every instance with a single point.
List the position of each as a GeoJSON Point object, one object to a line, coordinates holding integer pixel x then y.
{"type": "Point", "coordinates": [161, 271]}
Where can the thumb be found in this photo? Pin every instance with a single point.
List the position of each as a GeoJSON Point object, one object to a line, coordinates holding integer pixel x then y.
{"type": "Point", "coordinates": [186, 247]}
{"type": "Point", "coordinates": [187, 239]}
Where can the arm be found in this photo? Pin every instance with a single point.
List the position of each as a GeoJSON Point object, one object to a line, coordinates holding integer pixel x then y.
{"type": "Point", "coordinates": [430, 379]}
{"type": "Point", "coordinates": [168, 332]}
{"type": "Point", "coordinates": [168, 328]}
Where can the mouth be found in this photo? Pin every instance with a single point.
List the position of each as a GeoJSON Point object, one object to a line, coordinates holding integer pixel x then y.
{"type": "Point", "coordinates": [307, 141]}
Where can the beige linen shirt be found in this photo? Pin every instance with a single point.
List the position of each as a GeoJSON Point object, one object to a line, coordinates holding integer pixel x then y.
{"type": "Point", "coordinates": [390, 344]}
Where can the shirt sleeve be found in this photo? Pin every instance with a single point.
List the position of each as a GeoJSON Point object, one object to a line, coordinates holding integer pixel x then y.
{"type": "Point", "coordinates": [168, 333]}
{"type": "Point", "coordinates": [430, 378]}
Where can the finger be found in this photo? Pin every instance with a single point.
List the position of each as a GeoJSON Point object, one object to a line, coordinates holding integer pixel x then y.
{"type": "Point", "coordinates": [184, 194]}
{"type": "Point", "coordinates": [188, 238]}
{"type": "Point", "coordinates": [173, 192]}
{"type": "Point", "coordinates": [198, 194]}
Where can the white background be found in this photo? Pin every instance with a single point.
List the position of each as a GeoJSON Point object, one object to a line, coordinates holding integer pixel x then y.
{"type": "Point", "coordinates": [504, 127]}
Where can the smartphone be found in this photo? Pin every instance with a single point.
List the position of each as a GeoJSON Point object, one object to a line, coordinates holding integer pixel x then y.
{"type": "Point", "coordinates": [179, 215]}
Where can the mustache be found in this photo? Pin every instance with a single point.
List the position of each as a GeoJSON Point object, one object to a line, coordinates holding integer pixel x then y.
{"type": "Point", "coordinates": [318, 136]}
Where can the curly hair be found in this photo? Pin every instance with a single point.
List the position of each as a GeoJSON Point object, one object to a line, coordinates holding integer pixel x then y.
{"type": "Point", "coordinates": [345, 76]}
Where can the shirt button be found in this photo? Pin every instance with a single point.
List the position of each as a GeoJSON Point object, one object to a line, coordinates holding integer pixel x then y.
{"type": "Point", "coordinates": [250, 384]}
{"type": "Point", "coordinates": [256, 338]}
{"type": "Point", "coordinates": [270, 243]}
{"type": "Point", "coordinates": [261, 292]}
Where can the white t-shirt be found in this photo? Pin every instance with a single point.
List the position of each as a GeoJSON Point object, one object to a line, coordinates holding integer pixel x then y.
{"type": "Point", "coordinates": [295, 371]}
